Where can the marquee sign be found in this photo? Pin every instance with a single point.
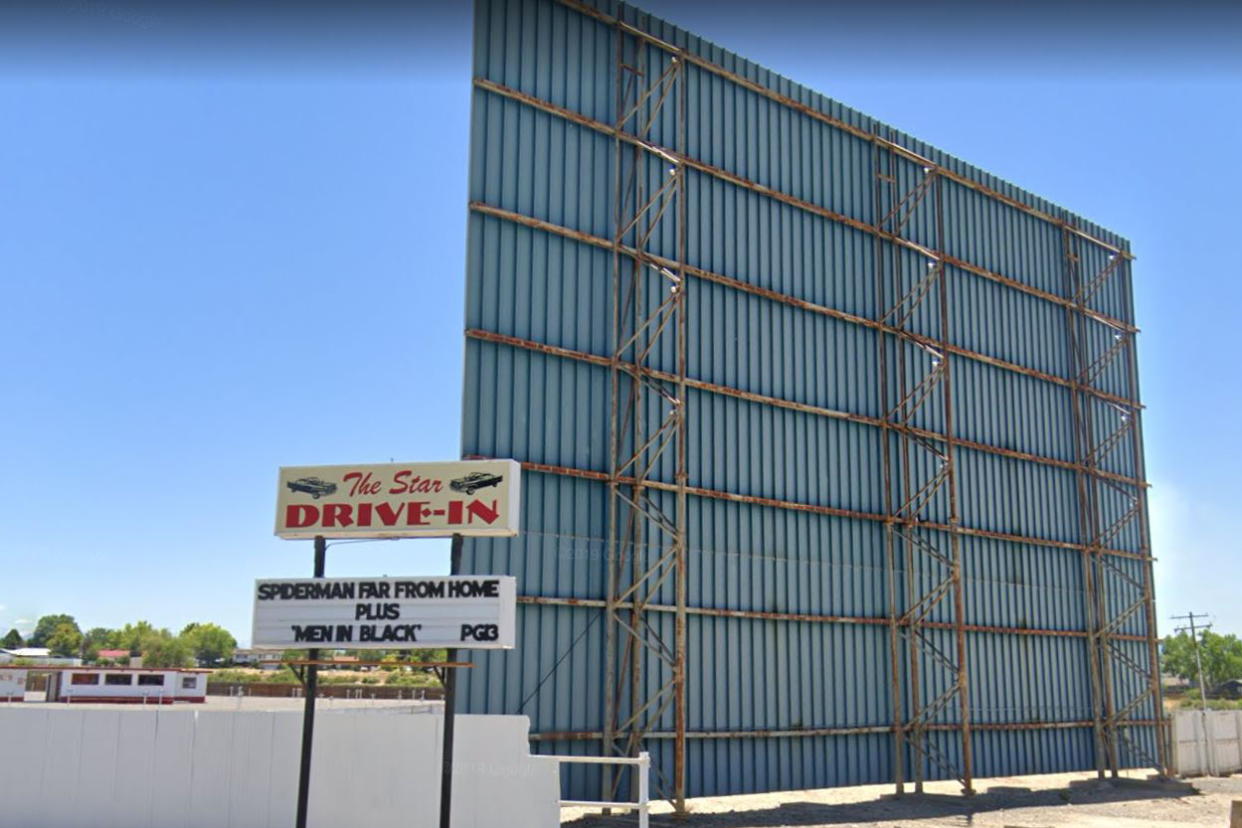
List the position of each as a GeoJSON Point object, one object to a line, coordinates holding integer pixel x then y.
{"type": "Point", "coordinates": [462, 611]}
{"type": "Point", "coordinates": [399, 500]}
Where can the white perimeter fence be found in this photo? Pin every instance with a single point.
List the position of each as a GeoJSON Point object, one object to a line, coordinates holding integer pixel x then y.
{"type": "Point", "coordinates": [642, 765]}
{"type": "Point", "coordinates": [1207, 744]}
{"type": "Point", "coordinates": [176, 768]}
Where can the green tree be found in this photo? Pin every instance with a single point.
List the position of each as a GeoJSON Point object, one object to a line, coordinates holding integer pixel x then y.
{"type": "Point", "coordinates": [210, 644]}
{"type": "Point", "coordinates": [65, 641]}
{"type": "Point", "coordinates": [47, 626]}
{"type": "Point", "coordinates": [167, 652]}
{"type": "Point", "coordinates": [96, 639]}
{"type": "Point", "coordinates": [12, 641]}
{"type": "Point", "coordinates": [102, 638]}
{"type": "Point", "coordinates": [140, 637]}
{"type": "Point", "coordinates": [1221, 654]}
{"type": "Point", "coordinates": [1178, 657]}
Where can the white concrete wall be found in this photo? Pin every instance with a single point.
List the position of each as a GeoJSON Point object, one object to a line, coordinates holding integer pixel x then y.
{"type": "Point", "coordinates": [184, 768]}
{"type": "Point", "coordinates": [1207, 744]}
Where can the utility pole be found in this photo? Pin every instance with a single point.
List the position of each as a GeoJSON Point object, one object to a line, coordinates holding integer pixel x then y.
{"type": "Point", "coordinates": [449, 681]}
{"type": "Point", "coordinates": [308, 707]}
{"type": "Point", "coordinates": [1194, 637]}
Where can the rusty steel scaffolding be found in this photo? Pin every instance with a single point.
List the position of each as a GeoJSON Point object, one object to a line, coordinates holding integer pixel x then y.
{"type": "Point", "coordinates": [648, 417]}
{"type": "Point", "coordinates": [1113, 595]}
{"type": "Point", "coordinates": [929, 560]}
{"type": "Point", "coordinates": [645, 674]}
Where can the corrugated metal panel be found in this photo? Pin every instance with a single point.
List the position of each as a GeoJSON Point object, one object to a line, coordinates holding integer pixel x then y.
{"type": "Point", "coordinates": [795, 676]}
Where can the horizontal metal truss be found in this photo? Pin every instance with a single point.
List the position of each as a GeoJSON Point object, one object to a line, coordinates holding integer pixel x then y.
{"type": "Point", "coordinates": [759, 615]}
{"type": "Point", "coordinates": [700, 385]}
{"type": "Point", "coordinates": [785, 198]}
{"type": "Point", "coordinates": [1115, 597]}
{"type": "Point", "coordinates": [647, 91]}
{"type": "Point", "coordinates": [785, 299]}
{"type": "Point", "coordinates": [810, 732]}
{"type": "Point", "coordinates": [797, 106]}
{"type": "Point", "coordinates": [814, 508]}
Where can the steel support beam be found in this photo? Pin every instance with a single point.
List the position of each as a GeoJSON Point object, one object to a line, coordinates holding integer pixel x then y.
{"type": "Point", "coordinates": [793, 201]}
{"type": "Point", "coordinates": [592, 603]}
{"type": "Point", "coordinates": [1109, 510]}
{"type": "Point", "coordinates": [715, 494]}
{"type": "Point", "coordinates": [793, 405]}
{"type": "Point", "coordinates": [858, 132]}
{"type": "Point", "coordinates": [896, 697]}
{"type": "Point", "coordinates": [792, 301]}
{"type": "Point", "coordinates": [645, 675]}
{"type": "Point", "coordinates": [801, 733]}
{"type": "Point", "coordinates": [920, 474]}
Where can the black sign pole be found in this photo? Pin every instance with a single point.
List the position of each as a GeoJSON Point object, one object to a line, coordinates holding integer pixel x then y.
{"type": "Point", "coordinates": [308, 710]}
{"type": "Point", "coordinates": [450, 685]}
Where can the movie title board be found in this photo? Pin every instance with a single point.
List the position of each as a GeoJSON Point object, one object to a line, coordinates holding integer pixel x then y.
{"type": "Point", "coordinates": [463, 611]}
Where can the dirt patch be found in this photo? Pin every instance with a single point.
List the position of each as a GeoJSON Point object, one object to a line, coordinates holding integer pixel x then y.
{"type": "Point", "coordinates": [1072, 799]}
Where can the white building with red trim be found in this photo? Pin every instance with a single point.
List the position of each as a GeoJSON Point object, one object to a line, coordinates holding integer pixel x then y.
{"type": "Point", "coordinates": [127, 685]}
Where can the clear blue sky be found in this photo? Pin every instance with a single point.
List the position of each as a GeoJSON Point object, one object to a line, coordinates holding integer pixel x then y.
{"type": "Point", "coordinates": [232, 238]}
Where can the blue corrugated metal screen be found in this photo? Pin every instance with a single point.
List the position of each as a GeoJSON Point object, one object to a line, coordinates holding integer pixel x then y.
{"type": "Point", "coordinates": [832, 460]}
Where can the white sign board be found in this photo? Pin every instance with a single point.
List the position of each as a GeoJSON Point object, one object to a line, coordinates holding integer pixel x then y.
{"type": "Point", "coordinates": [464, 611]}
{"type": "Point", "coordinates": [399, 500]}
{"type": "Point", "coordinates": [12, 684]}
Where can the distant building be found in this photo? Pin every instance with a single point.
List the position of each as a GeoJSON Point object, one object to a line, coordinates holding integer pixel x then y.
{"type": "Point", "coordinates": [127, 685]}
{"type": "Point", "coordinates": [27, 652]}
{"type": "Point", "coordinates": [115, 655]}
{"type": "Point", "coordinates": [40, 656]}
{"type": "Point", "coordinates": [265, 659]}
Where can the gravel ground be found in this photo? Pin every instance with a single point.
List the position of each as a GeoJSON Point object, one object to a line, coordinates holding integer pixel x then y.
{"type": "Point", "coordinates": [1072, 799]}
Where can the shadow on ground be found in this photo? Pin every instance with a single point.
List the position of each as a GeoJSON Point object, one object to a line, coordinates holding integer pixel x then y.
{"type": "Point", "coordinates": [889, 808]}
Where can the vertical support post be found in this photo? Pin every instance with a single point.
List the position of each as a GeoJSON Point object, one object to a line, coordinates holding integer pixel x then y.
{"type": "Point", "coordinates": [1149, 597]}
{"type": "Point", "coordinates": [1085, 509]}
{"type": "Point", "coordinates": [637, 537]}
{"type": "Point", "coordinates": [308, 708]}
{"type": "Point", "coordinates": [648, 416]}
{"type": "Point", "coordinates": [681, 471]}
{"type": "Point", "coordinates": [932, 572]}
{"type": "Point", "coordinates": [1121, 684]}
{"type": "Point", "coordinates": [959, 601]}
{"type": "Point", "coordinates": [644, 789]}
{"type": "Point", "coordinates": [610, 599]}
{"type": "Point", "coordinates": [1086, 505]}
{"type": "Point", "coordinates": [450, 705]}
{"type": "Point", "coordinates": [890, 565]}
